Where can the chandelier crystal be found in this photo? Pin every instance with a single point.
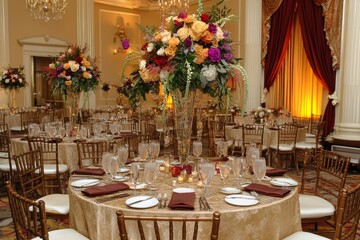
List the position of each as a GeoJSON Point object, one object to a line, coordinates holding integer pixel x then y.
{"type": "Point", "coordinates": [172, 7]}
{"type": "Point", "coordinates": [47, 9]}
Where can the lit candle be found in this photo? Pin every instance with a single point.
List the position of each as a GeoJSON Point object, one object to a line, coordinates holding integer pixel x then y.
{"type": "Point", "coordinates": [180, 179]}
{"type": "Point", "coordinates": [200, 184]}
{"type": "Point", "coordinates": [190, 180]}
{"type": "Point", "coordinates": [194, 174]}
{"type": "Point", "coordinates": [162, 168]}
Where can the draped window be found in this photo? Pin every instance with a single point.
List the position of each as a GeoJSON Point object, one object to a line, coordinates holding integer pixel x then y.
{"type": "Point", "coordinates": [322, 47]}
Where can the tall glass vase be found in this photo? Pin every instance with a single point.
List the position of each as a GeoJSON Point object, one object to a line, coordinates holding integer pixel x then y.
{"type": "Point", "coordinates": [11, 101]}
{"type": "Point", "coordinates": [72, 102]}
{"type": "Point", "coordinates": [184, 112]}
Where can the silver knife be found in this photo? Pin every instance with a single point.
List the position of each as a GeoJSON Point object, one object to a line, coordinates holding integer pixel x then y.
{"type": "Point", "coordinates": [106, 199]}
{"type": "Point", "coordinates": [208, 208]}
{"type": "Point", "coordinates": [141, 200]}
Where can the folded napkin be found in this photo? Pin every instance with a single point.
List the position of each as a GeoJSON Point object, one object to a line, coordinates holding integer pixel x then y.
{"type": "Point", "coordinates": [103, 190]}
{"type": "Point", "coordinates": [182, 201]}
{"type": "Point", "coordinates": [89, 171]}
{"type": "Point", "coordinates": [275, 172]}
{"type": "Point", "coordinates": [79, 140]}
{"type": "Point", "coordinates": [266, 190]}
{"type": "Point", "coordinates": [218, 159]}
{"type": "Point", "coordinates": [56, 140]}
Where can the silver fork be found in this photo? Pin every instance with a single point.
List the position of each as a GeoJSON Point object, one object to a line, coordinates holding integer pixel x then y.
{"type": "Point", "coordinates": [255, 194]}
{"type": "Point", "coordinates": [165, 198]}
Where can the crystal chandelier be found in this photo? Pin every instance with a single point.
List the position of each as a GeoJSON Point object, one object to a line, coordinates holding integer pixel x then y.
{"type": "Point", "coordinates": [47, 9]}
{"type": "Point", "coordinates": [172, 7]}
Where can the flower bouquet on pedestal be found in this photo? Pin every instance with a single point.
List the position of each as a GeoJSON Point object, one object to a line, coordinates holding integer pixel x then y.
{"type": "Point", "coordinates": [189, 52]}
{"type": "Point", "coordinates": [71, 73]}
{"type": "Point", "coordinates": [12, 80]}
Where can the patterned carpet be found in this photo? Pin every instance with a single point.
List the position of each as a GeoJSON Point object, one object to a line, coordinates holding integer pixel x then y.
{"type": "Point", "coordinates": [7, 230]}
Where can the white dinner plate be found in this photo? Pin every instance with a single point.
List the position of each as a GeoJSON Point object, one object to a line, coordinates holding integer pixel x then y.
{"type": "Point", "coordinates": [124, 170]}
{"type": "Point", "coordinates": [241, 200]}
{"type": "Point", "coordinates": [183, 190]}
{"type": "Point", "coordinates": [283, 182]}
{"type": "Point", "coordinates": [121, 178]}
{"type": "Point", "coordinates": [138, 186]}
{"type": "Point", "coordinates": [85, 182]}
{"type": "Point", "coordinates": [147, 203]}
{"type": "Point", "coordinates": [229, 190]}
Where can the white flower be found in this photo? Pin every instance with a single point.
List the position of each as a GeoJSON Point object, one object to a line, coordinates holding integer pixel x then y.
{"type": "Point", "coordinates": [52, 65]}
{"type": "Point", "coordinates": [20, 80]}
{"type": "Point", "coordinates": [150, 47]}
{"type": "Point", "coordinates": [74, 66]}
{"type": "Point", "coordinates": [5, 72]}
{"type": "Point", "coordinates": [68, 77]}
{"type": "Point", "coordinates": [334, 99]}
{"type": "Point", "coordinates": [261, 114]}
{"type": "Point", "coordinates": [161, 51]}
{"type": "Point", "coordinates": [14, 76]}
{"type": "Point", "coordinates": [142, 64]}
{"type": "Point", "coordinates": [7, 80]}
{"type": "Point", "coordinates": [259, 108]}
{"type": "Point", "coordinates": [166, 35]}
{"type": "Point", "coordinates": [209, 72]}
{"type": "Point", "coordinates": [219, 34]}
{"type": "Point", "coordinates": [70, 50]}
{"type": "Point", "coordinates": [83, 68]}
{"type": "Point", "coordinates": [164, 75]}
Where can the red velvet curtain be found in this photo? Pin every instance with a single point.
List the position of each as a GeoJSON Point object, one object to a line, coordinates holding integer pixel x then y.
{"type": "Point", "coordinates": [318, 52]}
{"type": "Point", "coordinates": [281, 22]}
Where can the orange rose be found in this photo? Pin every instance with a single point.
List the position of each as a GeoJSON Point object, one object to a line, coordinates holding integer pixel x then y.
{"type": "Point", "coordinates": [198, 49]}
{"type": "Point", "coordinates": [85, 62]}
{"type": "Point", "coordinates": [174, 41]}
{"type": "Point", "coordinates": [205, 53]}
{"type": "Point", "coordinates": [183, 33]}
{"type": "Point", "coordinates": [199, 60]}
{"type": "Point", "coordinates": [158, 37]}
{"type": "Point", "coordinates": [66, 66]}
{"type": "Point", "coordinates": [169, 51]}
{"type": "Point", "coordinates": [189, 19]}
{"type": "Point", "coordinates": [86, 75]}
{"type": "Point", "coordinates": [198, 29]}
{"type": "Point", "coordinates": [207, 37]}
{"type": "Point", "coordinates": [68, 82]}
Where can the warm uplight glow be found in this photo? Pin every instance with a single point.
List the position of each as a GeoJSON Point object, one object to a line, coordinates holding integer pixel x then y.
{"type": "Point", "coordinates": [169, 102]}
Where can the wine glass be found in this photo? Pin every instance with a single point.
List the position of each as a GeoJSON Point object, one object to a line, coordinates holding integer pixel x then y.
{"type": "Point", "coordinates": [113, 128]}
{"type": "Point", "coordinates": [68, 129]}
{"type": "Point", "coordinates": [207, 173]}
{"type": "Point", "coordinates": [150, 171]}
{"type": "Point", "coordinates": [242, 166]}
{"type": "Point", "coordinates": [97, 129]}
{"type": "Point", "coordinates": [135, 169]}
{"type": "Point", "coordinates": [197, 148]}
{"type": "Point", "coordinates": [259, 168]}
{"type": "Point", "coordinates": [123, 154]}
{"type": "Point", "coordinates": [113, 167]}
{"type": "Point", "coordinates": [83, 132]}
{"type": "Point", "coordinates": [224, 172]}
{"type": "Point", "coordinates": [61, 131]}
{"type": "Point", "coordinates": [143, 151]}
{"type": "Point", "coordinates": [105, 161]}
{"type": "Point", "coordinates": [155, 149]}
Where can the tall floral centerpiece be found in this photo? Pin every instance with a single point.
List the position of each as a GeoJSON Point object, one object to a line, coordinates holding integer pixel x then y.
{"type": "Point", "coordinates": [71, 73]}
{"type": "Point", "coordinates": [189, 52]}
{"type": "Point", "coordinates": [12, 80]}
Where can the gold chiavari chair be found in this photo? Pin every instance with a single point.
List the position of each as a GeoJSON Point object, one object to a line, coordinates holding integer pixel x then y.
{"type": "Point", "coordinates": [90, 153]}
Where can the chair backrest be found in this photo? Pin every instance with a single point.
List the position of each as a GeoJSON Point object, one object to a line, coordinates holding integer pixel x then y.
{"type": "Point", "coordinates": [319, 137]}
{"type": "Point", "coordinates": [49, 148]}
{"type": "Point", "coordinates": [90, 153]}
{"type": "Point", "coordinates": [215, 219]}
{"type": "Point", "coordinates": [302, 121]}
{"type": "Point", "coordinates": [5, 149]}
{"type": "Point", "coordinates": [314, 122]}
{"type": "Point", "coordinates": [27, 118]}
{"type": "Point", "coordinates": [347, 219]}
{"type": "Point", "coordinates": [30, 172]}
{"type": "Point", "coordinates": [287, 134]}
{"type": "Point", "coordinates": [252, 134]}
{"type": "Point", "coordinates": [331, 172]}
{"type": "Point", "coordinates": [4, 129]}
{"type": "Point", "coordinates": [29, 217]}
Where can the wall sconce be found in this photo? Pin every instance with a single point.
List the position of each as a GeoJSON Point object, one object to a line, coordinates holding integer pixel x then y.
{"type": "Point", "coordinates": [124, 46]}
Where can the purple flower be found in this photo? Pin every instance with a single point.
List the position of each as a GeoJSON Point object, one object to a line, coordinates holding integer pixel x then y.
{"type": "Point", "coordinates": [125, 44]}
{"type": "Point", "coordinates": [212, 28]}
{"type": "Point", "coordinates": [226, 34]}
{"type": "Point", "coordinates": [228, 57]}
{"type": "Point", "coordinates": [182, 15]}
{"type": "Point", "coordinates": [188, 42]}
{"type": "Point", "coordinates": [226, 47]}
{"type": "Point", "coordinates": [214, 54]}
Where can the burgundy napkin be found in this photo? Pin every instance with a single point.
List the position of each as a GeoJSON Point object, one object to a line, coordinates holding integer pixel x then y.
{"type": "Point", "coordinates": [56, 140]}
{"type": "Point", "coordinates": [89, 171]}
{"type": "Point", "coordinates": [103, 190]}
{"type": "Point", "coordinates": [266, 190]}
{"type": "Point", "coordinates": [275, 172]}
{"type": "Point", "coordinates": [182, 201]}
{"type": "Point", "coordinates": [218, 159]}
{"type": "Point", "coordinates": [79, 140]}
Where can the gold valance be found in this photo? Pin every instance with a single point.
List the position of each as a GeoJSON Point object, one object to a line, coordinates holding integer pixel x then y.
{"type": "Point", "coordinates": [332, 11]}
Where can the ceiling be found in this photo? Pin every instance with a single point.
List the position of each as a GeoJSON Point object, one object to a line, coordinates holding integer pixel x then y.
{"type": "Point", "coordinates": [136, 4]}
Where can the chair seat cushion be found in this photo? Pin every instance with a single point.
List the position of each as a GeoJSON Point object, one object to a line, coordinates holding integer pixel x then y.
{"type": "Point", "coordinates": [310, 135]}
{"type": "Point", "coordinates": [310, 140]}
{"type": "Point", "coordinates": [305, 145]}
{"type": "Point", "coordinates": [56, 203]}
{"type": "Point", "coordinates": [16, 128]}
{"type": "Point", "coordinates": [283, 147]}
{"type": "Point", "coordinates": [51, 168]}
{"type": "Point", "coordinates": [62, 234]}
{"type": "Point", "coordinates": [4, 155]}
{"type": "Point", "coordinates": [304, 236]}
{"type": "Point", "coordinates": [5, 166]}
{"type": "Point", "coordinates": [312, 206]}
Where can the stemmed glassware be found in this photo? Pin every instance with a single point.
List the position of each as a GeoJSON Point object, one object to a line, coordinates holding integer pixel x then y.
{"type": "Point", "coordinates": [143, 150]}
{"type": "Point", "coordinates": [259, 168]}
{"type": "Point", "coordinates": [135, 169]}
{"type": "Point", "coordinates": [123, 154]}
{"type": "Point", "coordinates": [97, 129]}
{"type": "Point", "coordinates": [224, 172]}
{"type": "Point", "coordinates": [113, 167]}
{"type": "Point", "coordinates": [150, 171]}
{"type": "Point", "coordinates": [242, 166]}
{"type": "Point", "coordinates": [197, 148]}
{"type": "Point", "coordinates": [155, 149]}
{"type": "Point", "coordinates": [61, 131]}
{"type": "Point", "coordinates": [207, 173]}
{"type": "Point", "coordinates": [105, 161]}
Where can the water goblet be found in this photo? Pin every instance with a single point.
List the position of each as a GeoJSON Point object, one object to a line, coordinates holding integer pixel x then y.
{"type": "Point", "coordinates": [259, 168]}
{"type": "Point", "coordinates": [155, 149]}
{"type": "Point", "coordinates": [113, 167]}
{"type": "Point", "coordinates": [207, 173]}
{"type": "Point", "coordinates": [143, 151]}
{"type": "Point", "coordinates": [150, 171]}
{"type": "Point", "coordinates": [61, 131]}
{"type": "Point", "coordinates": [224, 172]}
{"type": "Point", "coordinates": [135, 169]}
{"type": "Point", "coordinates": [105, 161]}
{"type": "Point", "coordinates": [123, 154]}
{"type": "Point", "coordinates": [197, 148]}
{"type": "Point", "coordinates": [243, 167]}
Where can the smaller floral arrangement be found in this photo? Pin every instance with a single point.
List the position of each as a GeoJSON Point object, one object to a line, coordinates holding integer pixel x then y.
{"type": "Point", "coordinates": [105, 87]}
{"type": "Point", "coordinates": [235, 109]}
{"type": "Point", "coordinates": [73, 72]}
{"type": "Point", "coordinates": [13, 78]}
{"type": "Point", "coordinates": [260, 114]}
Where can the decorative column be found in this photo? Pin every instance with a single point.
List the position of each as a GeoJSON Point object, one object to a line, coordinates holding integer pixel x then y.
{"type": "Point", "coordinates": [85, 35]}
{"type": "Point", "coordinates": [347, 123]}
{"type": "Point", "coordinates": [4, 46]}
{"type": "Point", "coordinates": [252, 59]}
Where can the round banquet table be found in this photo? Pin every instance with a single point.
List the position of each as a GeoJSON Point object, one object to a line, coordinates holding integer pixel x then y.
{"type": "Point", "coordinates": [272, 218]}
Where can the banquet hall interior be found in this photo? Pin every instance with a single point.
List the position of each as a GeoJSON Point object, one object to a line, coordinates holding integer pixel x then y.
{"type": "Point", "coordinates": [239, 117]}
